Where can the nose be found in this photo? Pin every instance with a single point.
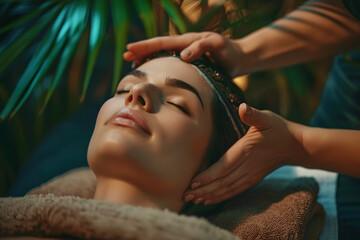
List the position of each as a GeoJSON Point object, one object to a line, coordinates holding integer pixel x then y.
{"type": "Point", "coordinates": [140, 95]}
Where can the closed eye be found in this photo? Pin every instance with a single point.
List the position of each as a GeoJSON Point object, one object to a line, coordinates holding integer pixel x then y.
{"type": "Point", "coordinates": [181, 108]}
{"type": "Point", "coordinates": [118, 92]}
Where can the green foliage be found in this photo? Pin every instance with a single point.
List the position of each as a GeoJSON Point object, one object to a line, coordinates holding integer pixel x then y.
{"type": "Point", "coordinates": [98, 26]}
{"type": "Point", "coordinates": [75, 27]}
{"type": "Point", "coordinates": [175, 15]}
{"type": "Point", "coordinates": [10, 53]}
{"type": "Point", "coordinates": [147, 17]}
{"type": "Point", "coordinates": [67, 21]}
{"type": "Point", "coordinates": [121, 19]}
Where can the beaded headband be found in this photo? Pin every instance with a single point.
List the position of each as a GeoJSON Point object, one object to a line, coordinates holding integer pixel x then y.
{"type": "Point", "coordinates": [229, 94]}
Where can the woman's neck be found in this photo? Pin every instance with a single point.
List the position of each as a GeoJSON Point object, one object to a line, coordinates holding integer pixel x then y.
{"type": "Point", "coordinates": [123, 192]}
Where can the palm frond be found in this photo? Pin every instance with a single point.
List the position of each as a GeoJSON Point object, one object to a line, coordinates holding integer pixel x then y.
{"type": "Point", "coordinates": [99, 17]}
{"type": "Point", "coordinates": [121, 21]}
{"type": "Point", "coordinates": [146, 14]}
{"type": "Point", "coordinates": [173, 11]}
{"type": "Point", "coordinates": [35, 63]}
{"type": "Point", "coordinates": [10, 53]}
{"type": "Point", "coordinates": [26, 18]}
{"type": "Point", "coordinates": [78, 23]}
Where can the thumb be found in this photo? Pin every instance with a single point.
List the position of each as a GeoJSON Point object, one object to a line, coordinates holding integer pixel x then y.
{"type": "Point", "coordinates": [254, 117]}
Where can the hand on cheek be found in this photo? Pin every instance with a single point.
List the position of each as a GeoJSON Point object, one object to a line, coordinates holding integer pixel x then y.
{"type": "Point", "coordinates": [268, 144]}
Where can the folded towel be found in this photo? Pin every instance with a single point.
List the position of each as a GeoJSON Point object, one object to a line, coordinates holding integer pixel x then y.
{"type": "Point", "coordinates": [274, 209]}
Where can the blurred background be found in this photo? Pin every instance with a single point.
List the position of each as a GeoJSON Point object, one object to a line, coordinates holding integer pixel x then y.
{"type": "Point", "coordinates": [60, 59]}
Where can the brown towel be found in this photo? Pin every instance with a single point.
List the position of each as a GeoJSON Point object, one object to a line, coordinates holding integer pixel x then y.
{"type": "Point", "coordinates": [272, 210]}
{"type": "Point", "coordinates": [275, 209]}
{"type": "Point", "coordinates": [68, 216]}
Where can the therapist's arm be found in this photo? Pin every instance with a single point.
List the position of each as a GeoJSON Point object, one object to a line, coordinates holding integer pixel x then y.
{"type": "Point", "coordinates": [336, 150]}
{"type": "Point", "coordinates": [270, 143]}
{"type": "Point", "coordinates": [317, 29]}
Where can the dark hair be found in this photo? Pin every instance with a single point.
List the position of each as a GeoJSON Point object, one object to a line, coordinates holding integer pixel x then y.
{"type": "Point", "coordinates": [227, 125]}
{"type": "Point", "coordinates": [223, 133]}
{"type": "Point", "coordinates": [222, 138]}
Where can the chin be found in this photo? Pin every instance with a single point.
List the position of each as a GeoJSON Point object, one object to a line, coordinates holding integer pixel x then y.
{"type": "Point", "coordinates": [108, 148]}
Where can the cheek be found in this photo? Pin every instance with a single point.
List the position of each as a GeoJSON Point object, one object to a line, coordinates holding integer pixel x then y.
{"type": "Point", "coordinates": [175, 131]}
{"type": "Point", "coordinates": [183, 139]}
{"type": "Point", "coordinates": [106, 111]}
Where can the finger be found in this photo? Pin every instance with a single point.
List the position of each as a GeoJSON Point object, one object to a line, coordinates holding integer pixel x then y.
{"type": "Point", "coordinates": [244, 182]}
{"type": "Point", "coordinates": [211, 42]}
{"type": "Point", "coordinates": [220, 169]}
{"type": "Point", "coordinates": [145, 47]}
{"type": "Point", "coordinates": [254, 117]}
{"type": "Point", "coordinates": [129, 56]}
{"type": "Point", "coordinates": [222, 186]}
{"type": "Point", "coordinates": [206, 192]}
{"type": "Point", "coordinates": [218, 188]}
{"type": "Point", "coordinates": [231, 160]}
{"type": "Point", "coordinates": [238, 187]}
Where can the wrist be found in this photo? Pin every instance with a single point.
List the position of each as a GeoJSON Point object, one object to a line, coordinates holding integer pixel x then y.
{"type": "Point", "coordinates": [297, 152]}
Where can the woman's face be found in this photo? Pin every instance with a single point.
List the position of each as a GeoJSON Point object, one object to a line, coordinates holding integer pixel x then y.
{"type": "Point", "coordinates": [154, 132]}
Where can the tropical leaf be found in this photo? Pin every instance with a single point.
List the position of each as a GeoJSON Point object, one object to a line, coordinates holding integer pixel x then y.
{"type": "Point", "coordinates": [121, 21]}
{"type": "Point", "coordinates": [41, 73]}
{"type": "Point", "coordinates": [16, 33]}
{"type": "Point", "coordinates": [174, 13]}
{"type": "Point", "coordinates": [9, 54]}
{"type": "Point", "coordinates": [78, 23]}
{"type": "Point", "coordinates": [35, 63]}
{"type": "Point", "coordinates": [4, 8]}
{"type": "Point", "coordinates": [147, 17]}
{"type": "Point", "coordinates": [26, 18]}
{"type": "Point", "coordinates": [99, 17]}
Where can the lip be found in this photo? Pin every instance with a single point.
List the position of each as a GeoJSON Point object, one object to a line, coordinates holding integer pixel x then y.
{"type": "Point", "coordinates": [129, 118]}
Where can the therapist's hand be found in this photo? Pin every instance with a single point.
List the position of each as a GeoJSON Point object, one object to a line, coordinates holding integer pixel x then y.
{"type": "Point", "coordinates": [270, 143]}
{"type": "Point", "coordinates": [224, 51]}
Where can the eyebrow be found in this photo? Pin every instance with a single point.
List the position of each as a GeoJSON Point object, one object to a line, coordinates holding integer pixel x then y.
{"type": "Point", "coordinates": [171, 82]}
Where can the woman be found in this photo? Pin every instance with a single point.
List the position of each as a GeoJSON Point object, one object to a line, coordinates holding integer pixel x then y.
{"type": "Point", "coordinates": [168, 121]}
{"type": "Point", "coordinates": [159, 130]}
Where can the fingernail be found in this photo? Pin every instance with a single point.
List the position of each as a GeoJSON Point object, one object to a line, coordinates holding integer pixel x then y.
{"type": "Point", "coordinates": [195, 185]}
{"type": "Point", "coordinates": [198, 200]}
{"type": "Point", "coordinates": [244, 105]}
{"type": "Point", "coordinates": [185, 53]}
{"type": "Point", "coordinates": [189, 197]}
{"type": "Point", "coordinates": [128, 46]}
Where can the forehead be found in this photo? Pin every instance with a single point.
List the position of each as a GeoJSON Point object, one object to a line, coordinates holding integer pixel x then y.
{"type": "Point", "coordinates": [161, 68]}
